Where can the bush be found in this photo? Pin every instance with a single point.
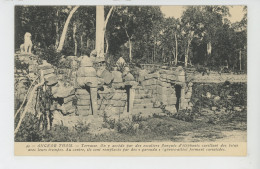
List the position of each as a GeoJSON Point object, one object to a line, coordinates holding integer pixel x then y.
{"type": "Point", "coordinates": [50, 55]}
{"type": "Point", "coordinates": [81, 127]}
{"type": "Point", "coordinates": [29, 130]}
{"type": "Point", "coordinates": [21, 65]}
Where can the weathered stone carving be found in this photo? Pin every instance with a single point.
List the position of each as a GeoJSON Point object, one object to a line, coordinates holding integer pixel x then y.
{"type": "Point", "coordinates": [26, 47]}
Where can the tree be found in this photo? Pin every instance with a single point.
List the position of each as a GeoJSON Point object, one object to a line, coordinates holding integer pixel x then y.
{"type": "Point", "coordinates": [65, 28]}
{"type": "Point", "coordinates": [205, 21]}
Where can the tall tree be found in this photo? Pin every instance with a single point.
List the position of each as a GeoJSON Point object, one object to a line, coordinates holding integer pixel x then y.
{"type": "Point", "coordinates": [65, 28]}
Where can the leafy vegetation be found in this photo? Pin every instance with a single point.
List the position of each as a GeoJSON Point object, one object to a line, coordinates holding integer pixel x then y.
{"type": "Point", "coordinates": [203, 35]}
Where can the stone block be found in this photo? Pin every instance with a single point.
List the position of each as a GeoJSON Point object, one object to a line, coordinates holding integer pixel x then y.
{"type": "Point", "coordinates": [172, 100]}
{"type": "Point", "coordinates": [81, 102]}
{"type": "Point", "coordinates": [143, 106]}
{"type": "Point", "coordinates": [151, 76]}
{"type": "Point", "coordinates": [119, 103]}
{"type": "Point", "coordinates": [142, 96]}
{"type": "Point", "coordinates": [117, 96]}
{"type": "Point", "coordinates": [181, 78]}
{"type": "Point", "coordinates": [165, 84]}
{"type": "Point", "coordinates": [83, 97]}
{"type": "Point", "coordinates": [81, 92]}
{"type": "Point", "coordinates": [131, 83]}
{"type": "Point", "coordinates": [83, 107]}
{"type": "Point", "coordinates": [87, 81]}
{"type": "Point", "coordinates": [172, 77]}
{"type": "Point", "coordinates": [118, 85]}
{"type": "Point", "coordinates": [163, 71]}
{"type": "Point", "coordinates": [84, 112]}
{"type": "Point", "coordinates": [140, 101]}
{"type": "Point", "coordinates": [163, 76]}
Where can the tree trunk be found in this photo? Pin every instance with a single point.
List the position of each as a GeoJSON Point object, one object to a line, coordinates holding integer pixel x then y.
{"type": "Point", "coordinates": [65, 28]}
{"type": "Point", "coordinates": [81, 44]}
{"type": "Point", "coordinates": [105, 25]}
{"type": "Point", "coordinates": [209, 48]}
{"type": "Point", "coordinates": [176, 50]}
{"type": "Point", "coordinates": [240, 58]}
{"type": "Point", "coordinates": [57, 30]}
{"type": "Point", "coordinates": [163, 55]}
{"type": "Point", "coordinates": [130, 45]}
{"type": "Point", "coordinates": [107, 45]}
{"type": "Point", "coordinates": [187, 55]}
{"type": "Point", "coordinates": [100, 22]}
{"type": "Point", "coordinates": [130, 50]}
{"type": "Point", "coordinates": [74, 38]}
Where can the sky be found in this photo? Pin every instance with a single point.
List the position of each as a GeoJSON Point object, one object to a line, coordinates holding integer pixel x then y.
{"type": "Point", "coordinates": [236, 12]}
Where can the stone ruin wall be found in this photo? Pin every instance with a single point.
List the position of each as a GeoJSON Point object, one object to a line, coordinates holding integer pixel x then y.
{"type": "Point", "coordinates": [152, 90]}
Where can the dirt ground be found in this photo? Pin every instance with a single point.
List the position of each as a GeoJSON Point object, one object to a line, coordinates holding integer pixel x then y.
{"type": "Point", "coordinates": [161, 129]}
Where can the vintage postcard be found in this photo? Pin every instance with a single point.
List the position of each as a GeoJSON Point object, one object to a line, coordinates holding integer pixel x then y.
{"type": "Point", "coordinates": [130, 80]}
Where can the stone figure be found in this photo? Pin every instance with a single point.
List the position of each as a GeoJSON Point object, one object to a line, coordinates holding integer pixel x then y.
{"type": "Point", "coordinates": [26, 47]}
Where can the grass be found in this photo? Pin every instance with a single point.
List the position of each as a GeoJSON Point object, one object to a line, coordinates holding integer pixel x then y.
{"type": "Point", "coordinates": [150, 130]}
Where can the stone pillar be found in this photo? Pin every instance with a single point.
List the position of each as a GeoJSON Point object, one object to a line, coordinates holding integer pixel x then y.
{"type": "Point", "coordinates": [182, 100]}
{"type": "Point", "coordinates": [131, 99]}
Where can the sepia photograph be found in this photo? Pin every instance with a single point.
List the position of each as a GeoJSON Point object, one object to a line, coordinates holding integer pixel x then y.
{"type": "Point", "coordinates": [130, 74]}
